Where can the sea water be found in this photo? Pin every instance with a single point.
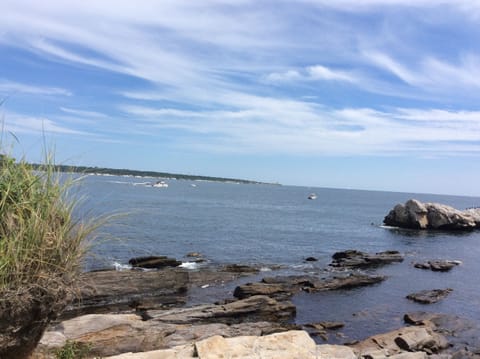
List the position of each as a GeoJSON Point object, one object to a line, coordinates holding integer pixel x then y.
{"type": "Point", "coordinates": [271, 225]}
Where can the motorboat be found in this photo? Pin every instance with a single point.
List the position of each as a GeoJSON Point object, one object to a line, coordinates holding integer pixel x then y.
{"type": "Point", "coordinates": [312, 196]}
{"type": "Point", "coordinates": [160, 184]}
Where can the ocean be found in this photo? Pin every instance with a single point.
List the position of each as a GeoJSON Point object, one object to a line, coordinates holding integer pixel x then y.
{"type": "Point", "coordinates": [273, 225]}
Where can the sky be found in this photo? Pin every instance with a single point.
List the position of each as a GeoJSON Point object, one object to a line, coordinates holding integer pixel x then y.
{"type": "Point", "coordinates": [371, 94]}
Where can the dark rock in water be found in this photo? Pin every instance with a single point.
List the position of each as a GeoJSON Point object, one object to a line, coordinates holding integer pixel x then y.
{"type": "Point", "coordinates": [282, 287]}
{"type": "Point", "coordinates": [417, 215]}
{"type": "Point", "coordinates": [437, 265]}
{"type": "Point", "coordinates": [311, 259]}
{"type": "Point", "coordinates": [429, 296]}
{"type": "Point", "coordinates": [357, 259]}
{"type": "Point", "coordinates": [154, 262]}
{"type": "Point", "coordinates": [240, 268]}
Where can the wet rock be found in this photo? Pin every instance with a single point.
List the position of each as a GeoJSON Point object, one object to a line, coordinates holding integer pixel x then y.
{"type": "Point", "coordinates": [357, 259]}
{"type": "Point", "coordinates": [154, 262]}
{"type": "Point", "coordinates": [311, 259]}
{"type": "Point", "coordinates": [193, 255]}
{"type": "Point", "coordinates": [429, 296]}
{"type": "Point", "coordinates": [285, 286]}
{"type": "Point", "coordinates": [417, 215]}
{"type": "Point", "coordinates": [437, 265]}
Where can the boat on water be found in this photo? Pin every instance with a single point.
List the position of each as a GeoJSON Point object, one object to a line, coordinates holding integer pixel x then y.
{"type": "Point", "coordinates": [312, 196]}
{"type": "Point", "coordinates": [160, 184]}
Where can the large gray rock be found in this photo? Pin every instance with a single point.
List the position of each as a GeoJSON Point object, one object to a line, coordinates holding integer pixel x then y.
{"type": "Point", "coordinates": [417, 215]}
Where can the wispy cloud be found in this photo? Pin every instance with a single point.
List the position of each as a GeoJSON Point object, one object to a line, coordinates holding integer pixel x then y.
{"type": "Point", "coordinates": [312, 73]}
{"type": "Point", "coordinates": [10, 88]}
{"type": "Point", "coordinates": [83, 113]}
{"type": "Point", "coordinates": [18, 123]}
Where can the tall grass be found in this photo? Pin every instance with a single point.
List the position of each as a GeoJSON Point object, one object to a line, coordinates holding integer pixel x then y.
{"type": "Point", "coordinates": [40, 240]}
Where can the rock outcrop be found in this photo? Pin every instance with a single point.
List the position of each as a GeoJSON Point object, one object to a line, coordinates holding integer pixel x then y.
{"type": "Point", "coordinates": [417, 215]}
{"type": "Point", "coordinates": [111, 334]}
{"type": "Point", "coordinates": [437, 265]}
{"type": "Point", "coordinates": [420, 339]}
{"type": "Point", "coordinates": [282, 287]}
{"type": "Point", "coordinates": [356, 259]}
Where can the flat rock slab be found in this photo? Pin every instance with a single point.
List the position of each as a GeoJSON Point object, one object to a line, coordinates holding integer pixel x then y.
{"type": "Point", "coordinates": [429, 296]}
{"type": "Point", "coordinates": [113, 291]}
{"type": "Point", "coordinates": [358, 259]}
{"type": "Point", "coordinates": [288, 345]}
{"type": "Point", "coordinates": [282, 287]}
{"type": "Point", "coordinates": [255, 308]}
{"type": "Point", "coordinates": [437, 265]}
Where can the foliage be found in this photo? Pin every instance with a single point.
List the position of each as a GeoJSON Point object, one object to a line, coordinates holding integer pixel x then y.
{"type": "Point", "coordinates": [73, 350]}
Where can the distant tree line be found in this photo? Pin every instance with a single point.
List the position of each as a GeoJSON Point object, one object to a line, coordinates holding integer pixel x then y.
{"type": "Point", "coordinates": [126, 172]}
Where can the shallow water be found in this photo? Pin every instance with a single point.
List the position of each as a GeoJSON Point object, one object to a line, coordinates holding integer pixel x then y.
{"type": "Point", "coordinates": [267, 225]}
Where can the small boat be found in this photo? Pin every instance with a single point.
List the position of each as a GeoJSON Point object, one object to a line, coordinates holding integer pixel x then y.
{"type": "Point", "coordinates": [160, 184]}
{"type": "Point", "coordinates": [193, 185]}
{"type": "Point", "coordinates": [312, 196]}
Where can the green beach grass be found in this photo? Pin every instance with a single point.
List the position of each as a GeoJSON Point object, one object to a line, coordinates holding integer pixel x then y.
{"type": "Point", "coordinates": [39, 238]}
{"type": "Point", "coordinates": [42, 246]}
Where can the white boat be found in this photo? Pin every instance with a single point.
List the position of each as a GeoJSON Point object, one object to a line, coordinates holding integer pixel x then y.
{"type": "Point", "coordinates": [160, 184]}
{"type": "Point", "coordinates": [312, 196]}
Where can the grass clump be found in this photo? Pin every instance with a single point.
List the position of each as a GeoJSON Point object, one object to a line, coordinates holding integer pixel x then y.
{"type": "Point", "coordinates": [42, 246]}
{"type": "Point", "coordinates": [73, 350]}
{"type": "Point", "coordinates": [39, 238]}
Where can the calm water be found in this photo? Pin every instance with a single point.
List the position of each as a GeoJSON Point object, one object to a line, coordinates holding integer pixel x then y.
{"type": "Point", "coordinates": [267, 224]}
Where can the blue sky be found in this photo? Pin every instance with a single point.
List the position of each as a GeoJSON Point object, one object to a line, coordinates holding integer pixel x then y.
{"type": "Point", "coordinates": [372, 94]}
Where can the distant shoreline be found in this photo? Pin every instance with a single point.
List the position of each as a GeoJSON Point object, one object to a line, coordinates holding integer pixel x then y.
{"type": "Point", "coordinates": [154, 174]}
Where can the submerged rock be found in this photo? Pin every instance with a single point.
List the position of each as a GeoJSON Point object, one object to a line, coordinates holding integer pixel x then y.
{"type": "Point", "coordinates": [417, 215]}
{"type": "Point", "coordinates": [356, 259]}
{"type": "Point", "coordinates": [429, 296]}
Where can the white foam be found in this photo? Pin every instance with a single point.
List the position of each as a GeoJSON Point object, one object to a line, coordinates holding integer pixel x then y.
{"type": "Point", "coordinates": [189, 265]}
{"type": "Point", "coordinates": [265, 269]}
{"type": "Point", "coordinates": [121, 267]}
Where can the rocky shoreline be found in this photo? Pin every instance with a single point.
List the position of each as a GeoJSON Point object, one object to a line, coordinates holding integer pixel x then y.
{"type": "Point", "coordinates": [144, 314]}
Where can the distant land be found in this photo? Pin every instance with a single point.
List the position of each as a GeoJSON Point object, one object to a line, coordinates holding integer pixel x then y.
{"type": "Point", "coordinates": [127, 172]}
